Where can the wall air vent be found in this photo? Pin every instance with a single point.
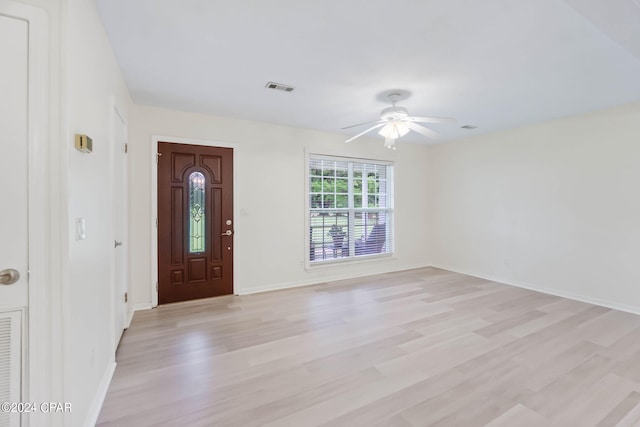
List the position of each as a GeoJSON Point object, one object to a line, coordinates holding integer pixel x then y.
{"type": "Point", "coordinates": [469, 127]}
{"type": "Point", "coordinates": [279, 86]}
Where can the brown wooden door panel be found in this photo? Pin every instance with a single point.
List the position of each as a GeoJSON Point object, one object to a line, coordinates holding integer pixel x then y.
{"type": "Point", "coordinates": [189, 268]}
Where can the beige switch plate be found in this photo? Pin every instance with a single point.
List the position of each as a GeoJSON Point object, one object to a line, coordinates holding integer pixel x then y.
{"type": "Point", "coordinates": [84, 143]}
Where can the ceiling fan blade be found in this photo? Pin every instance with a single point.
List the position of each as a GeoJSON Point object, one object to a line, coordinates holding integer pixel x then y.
{"type": "Point", "coordinates": [366, 131]}
{"type": "Point", "coordinates": [362, 124]}
{"type": "Point", "coordinates": [422, 130]}
{"type": "Point", "coordinates": [448, 120]}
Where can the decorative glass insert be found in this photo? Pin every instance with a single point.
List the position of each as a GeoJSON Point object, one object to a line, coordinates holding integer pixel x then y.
{"type": "Point", "coordinates": [196, 213]}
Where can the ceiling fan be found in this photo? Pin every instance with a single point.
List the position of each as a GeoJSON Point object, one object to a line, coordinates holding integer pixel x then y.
{"type": "Point", "coordinates": [396, 122]}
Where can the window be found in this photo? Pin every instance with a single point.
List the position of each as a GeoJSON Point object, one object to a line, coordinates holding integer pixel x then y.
{"type": "Point", "coordinates": [196, 213]}
{"type": "Point", "coordinates": [350, 208]}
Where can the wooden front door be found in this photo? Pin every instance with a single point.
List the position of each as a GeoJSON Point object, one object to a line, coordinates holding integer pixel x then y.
{"type": "Point", "coordinates": [195, 222]}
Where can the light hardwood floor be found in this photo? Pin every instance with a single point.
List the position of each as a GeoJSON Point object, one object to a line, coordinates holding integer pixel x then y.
{"type": "Point", "coordinates": [414, 348]}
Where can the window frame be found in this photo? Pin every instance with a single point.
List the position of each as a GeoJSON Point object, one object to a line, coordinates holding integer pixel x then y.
{"type": "Point", "coordinates": [390, 210]}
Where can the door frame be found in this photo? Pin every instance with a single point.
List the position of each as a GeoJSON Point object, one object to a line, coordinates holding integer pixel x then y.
{"type": "Point", "coordinates": [153, 286]}
{"type": "Point", "coordinates": [37, 338]}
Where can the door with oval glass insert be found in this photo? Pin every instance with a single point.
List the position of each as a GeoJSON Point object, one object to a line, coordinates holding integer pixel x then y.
{"type": "Point", "coordinates": [195, 222]}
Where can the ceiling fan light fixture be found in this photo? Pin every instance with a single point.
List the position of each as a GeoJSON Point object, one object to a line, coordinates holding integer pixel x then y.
{"type": "Point", "coordinates": [394, 130]}
{"type": "Point", "coordinates": [402, 128]}
{"type": "Point", "coordinates": [394, 113]}
{"type": "Point", "coordinates": [395, 121]}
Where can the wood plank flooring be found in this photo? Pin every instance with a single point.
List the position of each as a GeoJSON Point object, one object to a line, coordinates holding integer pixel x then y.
{"type": "Point", "coordinates": [422, 347]}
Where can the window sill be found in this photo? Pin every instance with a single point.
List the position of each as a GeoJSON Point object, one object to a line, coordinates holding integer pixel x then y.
{"type": "Point", "coordinates": [321, 265]}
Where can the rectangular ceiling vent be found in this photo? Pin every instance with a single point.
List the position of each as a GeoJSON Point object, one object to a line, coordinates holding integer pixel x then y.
{"type": "Point", "coordinates": [279, 86]}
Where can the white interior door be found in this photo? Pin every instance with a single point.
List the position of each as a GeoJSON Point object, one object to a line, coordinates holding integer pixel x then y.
{"type": "Point", "coordinates": [120, 226]}
{"type": "Point", "coordinates": [14, 214]}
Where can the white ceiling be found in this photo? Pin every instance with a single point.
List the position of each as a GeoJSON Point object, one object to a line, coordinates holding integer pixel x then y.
{"type": "Point", "coordinates": [495, 64]}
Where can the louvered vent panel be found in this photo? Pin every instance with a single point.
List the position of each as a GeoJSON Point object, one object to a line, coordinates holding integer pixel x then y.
{"type": "Point", "coordinates": [9, 364]}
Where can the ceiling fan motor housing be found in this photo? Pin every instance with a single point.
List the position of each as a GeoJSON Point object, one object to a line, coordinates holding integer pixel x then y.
{"type": "Point", "coordinates": [394, 113]}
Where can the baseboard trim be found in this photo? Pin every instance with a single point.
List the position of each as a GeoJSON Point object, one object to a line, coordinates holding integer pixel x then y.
{"type": "Point", "coordinates": [129, 317]}
{"type": "Point", "coordinates": [141, 307]}
{"type": "Point", "coordinates": [317, 281]}
{"type": "Point", "coordinates": [98, 400]}
{"type": "Point", "coordinates": [550, 291]}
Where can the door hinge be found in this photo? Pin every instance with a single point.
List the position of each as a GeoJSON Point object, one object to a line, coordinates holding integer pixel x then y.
{"type": "Point", "coordinates": [158, 157]}
{"type": "Point", "coordinates": [126, 297]}
{"type": "Point", "coordinates": [126, 148]}
{"type": "Point", "coordinates": [156, 222]}
{"type": "Point", "coordinates": [156, 286]}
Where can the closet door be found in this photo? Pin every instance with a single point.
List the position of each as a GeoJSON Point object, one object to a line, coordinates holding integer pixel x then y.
{"type": "Point", "coordinates": [20, 144]}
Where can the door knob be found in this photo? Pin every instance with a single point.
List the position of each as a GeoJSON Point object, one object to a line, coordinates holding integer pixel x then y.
{"type": "Point", "coordinates": [9, 276]}
{"type": "Point", "coordinates": [116, 244]}
{"type": "Point", "coordinates": [227, 233]}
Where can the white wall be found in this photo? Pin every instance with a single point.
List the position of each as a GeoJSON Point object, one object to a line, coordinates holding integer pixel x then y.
{"type": "Point", "coordinates": [270, 191]}
{"type": "Point", "coordinates": [92, 79]}
{"type": "Point", "coordinates": [553, 206]}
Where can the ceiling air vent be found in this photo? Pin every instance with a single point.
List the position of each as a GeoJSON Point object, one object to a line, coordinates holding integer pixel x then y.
{"type": "Point", "coordinates": [469, 127]}
{"type": "Point", "coordinates": [279, 86]}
